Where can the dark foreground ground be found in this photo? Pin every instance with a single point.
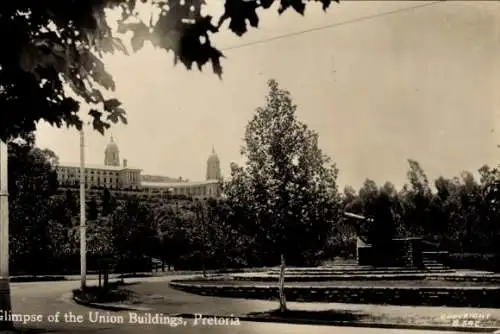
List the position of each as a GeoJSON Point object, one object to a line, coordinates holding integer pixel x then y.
{"type": "Point", "coordinates": [162, 298]}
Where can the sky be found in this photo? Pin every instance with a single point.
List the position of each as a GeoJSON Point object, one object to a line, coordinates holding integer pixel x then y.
{"type": "Point", "coordinates": [380, 81]}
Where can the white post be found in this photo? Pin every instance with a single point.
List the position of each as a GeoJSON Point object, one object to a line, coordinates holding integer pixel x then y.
{"type": "Point", "coordinates": [83, 235]}
{"type": "Point", "coordinates": [5, 302]}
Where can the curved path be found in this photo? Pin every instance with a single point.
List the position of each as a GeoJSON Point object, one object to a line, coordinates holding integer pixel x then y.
{"type": "Point", "coordinates": [45, 298]}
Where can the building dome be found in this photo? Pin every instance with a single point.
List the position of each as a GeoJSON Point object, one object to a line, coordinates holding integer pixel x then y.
{"type": "Point", "coordinates": [112, 154]}
{"type": "Point", "coordinates": [111, 145]}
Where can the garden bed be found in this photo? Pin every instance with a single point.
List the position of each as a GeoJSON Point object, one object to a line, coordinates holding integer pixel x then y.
{"type": "Point", "coordinates": [114, 292]}
{"type": "Point", "coordinates": [421, 292]}
{"type": "Point", "coordinates": [418, 283]}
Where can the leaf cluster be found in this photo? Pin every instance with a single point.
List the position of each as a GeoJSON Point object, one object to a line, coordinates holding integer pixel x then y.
{"type": "Point", "coordinates": [56, 43]}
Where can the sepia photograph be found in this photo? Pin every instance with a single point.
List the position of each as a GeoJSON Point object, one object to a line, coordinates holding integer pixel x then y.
{"type": "Point", "coordinates": [250, 166]}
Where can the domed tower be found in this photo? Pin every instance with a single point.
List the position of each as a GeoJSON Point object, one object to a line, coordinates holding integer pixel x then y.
{"type": "Point", "coordinates": [213, 167]}
{"type": "Point", "coordinates": [112, 154]}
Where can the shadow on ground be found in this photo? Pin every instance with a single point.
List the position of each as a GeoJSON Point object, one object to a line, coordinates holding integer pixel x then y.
{"type": "Point", "coordinates": [328, 315]}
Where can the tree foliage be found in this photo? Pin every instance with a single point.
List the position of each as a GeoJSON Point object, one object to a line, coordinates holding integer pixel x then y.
{"type": "Point", "coordinates": [282, 201]}
{"type": "Point", "coordinates": [461, 216]}
{"type": "Point", "coordinates": [287, 181]}
{"type": "Point", "coordinates": [32, 183]}
{"type": "Point", "coordinates": [378, 203]}
{"type": "Point", "coordinates": [53, 43]}
{"type": "Point", "coordinates": [133, 230]}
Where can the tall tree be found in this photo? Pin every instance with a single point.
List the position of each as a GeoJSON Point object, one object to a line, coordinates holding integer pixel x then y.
{"type": "Point", "coordinates": [58, 42]}
{"type": "Point", "coordinates": [108, 202]}
{"type": "Point", "coordinates": [62, 225]}
{"type": "Point", "coordinates": [92, 209]}
{"type": "Point", "coordinates": [32, 185]}
{"type": "Point", "coordinates": [384, 224]}
{"type": "Point", "coordinates": [164, 217]}
{"type": "Point", "coordinates": [134, 233]}
{"type": "Point", "coordinates": [366, 205]}
{"type": "Point", "coordinates": [237, 193]}
{"type": "Point", "coordinates": [491, 204]}
{"type": "Point", "coordinates": [71, 202]}
{"type": "Point", "coordinates": [288, 182]}
{"type": "Point", "coordinates": [418, 196]}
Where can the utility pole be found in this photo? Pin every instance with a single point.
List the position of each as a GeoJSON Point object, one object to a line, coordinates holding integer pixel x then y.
{"type": "Point", "coordinates": [201, 215]}
{"type": "Point", "coordinates": [5, 302]}
{"type": "Point", "coordinates": [83, 234]}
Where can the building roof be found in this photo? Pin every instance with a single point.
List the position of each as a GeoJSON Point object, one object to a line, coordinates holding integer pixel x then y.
{"type": "Point", "coordinates": [176, 184]}
{"type": "Point", "coordinates": [95, 166]}
{"type": "Point", "coordinates": [160, 178]}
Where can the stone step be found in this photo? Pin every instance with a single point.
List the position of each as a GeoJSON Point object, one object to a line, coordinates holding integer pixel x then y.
{"type": "Point", "coordinates": [434, 265]}
{"type": "Point", "coordinates": [371, 277]}
{"type": "Point", "coordinates": [347, 269]}
{"type": "Point", "coordinates": [353, 273]}
{"type": "Point", "coordinates": [437, 269]}
{"type": "Point", "coordinates": [431, 261]}
{"type": "Point", "coordinates": [401, 272]}
{"type": "Point", "coordinates": [339, 268]}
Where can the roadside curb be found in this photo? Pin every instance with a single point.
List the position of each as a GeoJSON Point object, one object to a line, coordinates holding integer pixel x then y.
{"type": "Point", "coordinates": [138, 275]}
{"type": "Point", "coordinates": [299, 321]}
{"type": "Point", "coordinates": [109, 307]}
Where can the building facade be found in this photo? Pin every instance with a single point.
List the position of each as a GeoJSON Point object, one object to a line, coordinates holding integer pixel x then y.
{"type": "Point", "coordinates": [122, 177]}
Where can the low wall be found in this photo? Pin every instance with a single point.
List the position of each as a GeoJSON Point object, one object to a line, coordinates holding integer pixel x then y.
{"type": "Point", "coordinates": [372, 277]}
{"type": "Point", "coordinates": [454, 297]}
{"type": "Point", "coordinates": [320, 278]}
